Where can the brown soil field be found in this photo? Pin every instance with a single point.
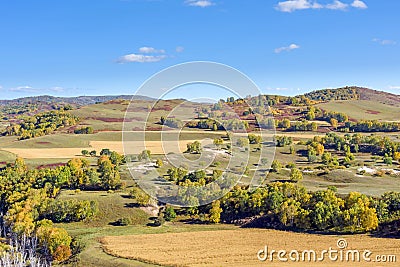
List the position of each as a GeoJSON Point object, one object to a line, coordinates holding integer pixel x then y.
{"type": "Point", "coordinates": [240, 247]}
{"type": "Point", "coordinates": [156, 147]}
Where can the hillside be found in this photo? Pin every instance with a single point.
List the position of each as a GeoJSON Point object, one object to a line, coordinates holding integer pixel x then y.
{"type": "Point", "coordinates": [354, 93]}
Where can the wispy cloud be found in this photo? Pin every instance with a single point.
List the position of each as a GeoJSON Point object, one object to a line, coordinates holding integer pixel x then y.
{"type": "Point", "coordinates": [57, 89]}
{"type": "Point", "coordinates": [384, 41]}
{"type": "Point", "coordinates": [179, 49]}
{"type": "Point", "coordinates": [25, 88]}
{"type": "Point", "coordinates": [140, 58]}
{"type": "Point", "coordinates": [359, 4]}
{"type": "Point", "coordinates": [394, 87]}
{"type": "Point", "coordinates": [30, 89]}
{"type": "Point", "coordinates": [199, 3]}
{"type": "Point", "coordinates": [286, 48]}
{"type": "Point", "coordinates": [151, 50]}
{"type": "Point", "coordinates": [143, 55]}
{"type": "Point", "coordinates": [337, 5]}
{"type": "Point", "coordinates": [293, 5]}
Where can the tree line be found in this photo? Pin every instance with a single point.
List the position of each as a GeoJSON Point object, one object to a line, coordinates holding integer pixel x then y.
{"type": "Point", "coordinates": [29, 206]}
{"type": "Point", "coordinates": [41, 124]}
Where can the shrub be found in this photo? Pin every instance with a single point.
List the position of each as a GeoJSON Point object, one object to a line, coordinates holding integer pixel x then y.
{"type": "Point", "coordinates": [169, 214]}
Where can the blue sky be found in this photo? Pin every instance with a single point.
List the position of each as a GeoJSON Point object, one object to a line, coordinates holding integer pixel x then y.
{"type": "Point", "coordinates": [88, 47]}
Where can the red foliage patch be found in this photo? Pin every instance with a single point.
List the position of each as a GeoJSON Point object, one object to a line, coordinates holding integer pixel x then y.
{"type": "Point", "coordinates": [374, 112]}
{"type": "Point", "coordinates": [51, 166]}
{"type": "Point", "coordinates": [43, 143]}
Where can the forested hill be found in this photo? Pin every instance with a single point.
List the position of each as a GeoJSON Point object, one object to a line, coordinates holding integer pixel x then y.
{"type": "Point", "coordinates": [354, 93]}
{"type": "Point", "coordinates": [79, 100]}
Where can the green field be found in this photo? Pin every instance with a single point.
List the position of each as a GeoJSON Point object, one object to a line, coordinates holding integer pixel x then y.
{"type": "Point", "coordinates": [363, 110]}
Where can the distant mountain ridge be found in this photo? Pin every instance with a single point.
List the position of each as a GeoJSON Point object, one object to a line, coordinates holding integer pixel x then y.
{"type": "Point", "coordinates": [337, 94]}
{"type": "Point", "coordinates": [78, 100]}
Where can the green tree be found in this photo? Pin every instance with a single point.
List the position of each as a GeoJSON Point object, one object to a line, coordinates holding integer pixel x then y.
{"type": "Point", "coordinates": [144, 155]}
{"type": "Point", "coordinates": [85, 152]}
{"type": "Point", "coordinates": [215, 212]}
{"type": "Point", "coordinates": [194, 148]}
{"type": "Point", "coordinates": [286, 123]}
{"type": "Point", "coordinates": [159, 163]}
{"type": "Point", "coordinates": [218, 142]}
{"type": "Point", "coordinates": [255, 139]}
{"type": "Point", "coordinates": [276, 166]}
{"type": "Point", "coordinates": [312, 154]}
{"type": "Point", "coordinates": [296, 175]}
{"type": "Point", "coordinates": [169, 214]}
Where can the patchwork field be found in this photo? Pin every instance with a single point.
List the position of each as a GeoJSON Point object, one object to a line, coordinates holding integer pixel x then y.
{"type": "Point", "coordinates": [156, 147]}
{"type": "Point", "coordinates": [239, 247]}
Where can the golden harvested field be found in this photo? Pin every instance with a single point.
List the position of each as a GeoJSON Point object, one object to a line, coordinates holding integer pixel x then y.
{"type": "Point", "coordinates": [239, 248]}
{"type": "Point", "coordinates": [156, 147]}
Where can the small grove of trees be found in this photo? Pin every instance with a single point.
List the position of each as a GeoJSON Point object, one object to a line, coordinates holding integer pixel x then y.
{"type": "Point", "coordinates": [194, 148]}
{"type": "Point", "coordinates": [282, 141]}
{"type": "Point", "coordinates": [144, 155]}
{"type": "Point", "coordinates": [84, 130]}
{"type": "Point", "coordinates": [26, 199]}
{"type": "Point", "coordinates": [371, 126]}
{"type": "Point", "coordinates": [72, 210]}
{"type": "Point", "coordinates": [41, 124]}
{"type": "Point", "coordinates": [348, 144]}
{"type": "Point", "coordinates": [171, 122]}
{"type": "Point", "coordinates": [255, 139]}
{"type": "Point", "coordinates": [292, 206]}
{"type": "Point", "coordinates": [86, 153]}
{"type": "Point", "coordinates": [299, 126]}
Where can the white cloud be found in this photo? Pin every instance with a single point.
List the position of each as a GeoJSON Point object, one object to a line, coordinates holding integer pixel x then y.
{"type": "Point", "coordinates": [359, 4]}
{"type": "Point", "coordinates": [30, 89]}
{"type": "Point", "coordinates": [179, 49]}
{"type": "Point", "coordinates": [337, 5]}
{"type": "Point", "coordinates": [24, 88]}
{"type": "Point", "coordinates": [57, 89]}
{"type": "Point", "coordinates": [286, 48]}
{"type": "Point", "coordinates": [394, 87]}
{"type": "Point", "coordinates": [149, 50]}
{"type": "Point", "coordinates": [199, 3]}
{"type": "Point", "coordinates": [140, 58]}
{"type": "Point", "coordinates": [293, 5]}
{"type": "Point", "coordinates": [384, 42]}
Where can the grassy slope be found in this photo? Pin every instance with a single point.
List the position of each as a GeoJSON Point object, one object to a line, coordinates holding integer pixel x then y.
{"type": "Point", "coordinates": [363, 109]}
